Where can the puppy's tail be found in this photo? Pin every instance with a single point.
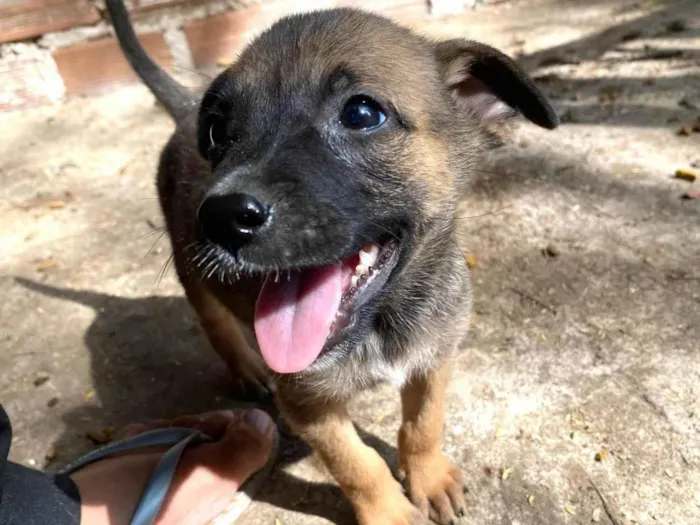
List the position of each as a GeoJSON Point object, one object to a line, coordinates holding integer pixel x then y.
{"type": "Point", "coordinates": [166, 90]}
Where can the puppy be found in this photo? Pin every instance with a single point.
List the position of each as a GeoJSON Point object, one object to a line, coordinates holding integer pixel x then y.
{"type": "Point", "coordinates": [310, 197]}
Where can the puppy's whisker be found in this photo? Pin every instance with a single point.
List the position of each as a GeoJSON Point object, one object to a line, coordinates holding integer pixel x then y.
{"type": "Point", "coordinates": [155, 242]}
{"type": "Point", "coordinates": [202, 252]}
{"type": "Point", "coordinates": [164, 268]}
{"type": "Point", "coordinates": [153, 232]}
{"type": "Point", "coordinates": [206, 253]}
{"type": "Point", "coordinates": [212, 265]}
{"type": "Point", "coordinates": [195, 91]}
{"type": "Point", "coordinates": [189, 246]}
{"type": "Point", "coordinates": [393, 235]}
{"type": "Point", "coordinates": [213, 270]}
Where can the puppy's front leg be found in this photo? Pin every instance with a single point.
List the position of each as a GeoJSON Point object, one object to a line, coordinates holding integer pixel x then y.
{"type": "Point", "coordinates": [226, 337]}
{"type": "Point", "coordinates": [360, 471]}
{"type": "Point", "coordinates": [435, 485]}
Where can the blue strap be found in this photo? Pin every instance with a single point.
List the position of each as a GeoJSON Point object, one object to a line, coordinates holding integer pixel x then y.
{"type": "Point", "coordinates": [159, 483]}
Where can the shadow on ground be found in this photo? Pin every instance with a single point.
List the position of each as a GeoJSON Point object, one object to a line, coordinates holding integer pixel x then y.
{"type": "Point", "coordinates": [145, 366]}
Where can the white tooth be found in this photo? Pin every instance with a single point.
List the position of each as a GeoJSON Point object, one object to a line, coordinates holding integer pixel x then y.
{"type": "Point", "coordinates": [361, 269]}
{"type": "Point", "coordinates": [353, 281]}
{"type": "Point", "coordinates": [368, 256]}
{"type": "Point", "coordinates": [365, 258]}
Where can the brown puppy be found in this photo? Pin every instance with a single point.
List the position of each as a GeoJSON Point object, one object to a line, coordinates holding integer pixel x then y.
{"type": "Point", "coordinates": [310, 198]}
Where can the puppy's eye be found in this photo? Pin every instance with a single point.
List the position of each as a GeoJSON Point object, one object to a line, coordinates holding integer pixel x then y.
{"type": "Point", "coordinates": [217, 133]}
{"type": "Point", "coordinates": [362, 113]}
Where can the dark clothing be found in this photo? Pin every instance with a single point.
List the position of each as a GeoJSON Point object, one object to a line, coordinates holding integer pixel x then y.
{"type": "Point", "coordinates": [31, 497]}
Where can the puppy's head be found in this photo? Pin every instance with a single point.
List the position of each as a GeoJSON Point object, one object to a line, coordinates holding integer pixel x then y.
{"type": "Point", "coordinates": [338, 144]}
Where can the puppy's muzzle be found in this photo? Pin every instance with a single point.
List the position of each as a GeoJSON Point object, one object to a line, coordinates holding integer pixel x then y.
{"type": "Point", "coordinates": [232, 220]}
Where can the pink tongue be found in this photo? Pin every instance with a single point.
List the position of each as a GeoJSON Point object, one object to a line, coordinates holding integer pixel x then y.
{"type": "Point", "coordinates": [293, 317]}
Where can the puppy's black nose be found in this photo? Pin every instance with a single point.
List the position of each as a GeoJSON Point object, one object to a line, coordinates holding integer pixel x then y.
{"type": "Point", "coordinates": [231, 220]}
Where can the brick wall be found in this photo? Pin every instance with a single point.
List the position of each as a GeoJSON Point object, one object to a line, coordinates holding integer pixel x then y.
{"type": "Point", "coordinates": [50, 49]}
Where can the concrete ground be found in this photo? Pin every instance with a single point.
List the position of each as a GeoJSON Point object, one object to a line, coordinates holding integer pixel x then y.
{"type": "Point", "coordinates": [576, 397]}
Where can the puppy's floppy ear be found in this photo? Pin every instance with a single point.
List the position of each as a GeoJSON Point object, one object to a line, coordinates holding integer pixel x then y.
{"type": "Point", "coordinates": [490, 85]}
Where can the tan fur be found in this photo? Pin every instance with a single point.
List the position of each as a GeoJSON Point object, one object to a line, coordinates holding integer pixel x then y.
{"type": "Point", "coordinates": [431, 170]}
{"type": "Point", "coordinates": [360, 471]}
{"type": "Point", "coordinates": [434, 483]}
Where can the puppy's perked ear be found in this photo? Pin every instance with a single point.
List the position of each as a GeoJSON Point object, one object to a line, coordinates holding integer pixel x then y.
{"type": "Point", "coordinates": [490, 85]}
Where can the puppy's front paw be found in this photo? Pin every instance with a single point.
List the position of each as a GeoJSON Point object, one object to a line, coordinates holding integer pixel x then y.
{"type": "Point", "coordinates": [250, 383]}
{"type": "Point", "coordinates": [435, 486]}
{"type": "Point", "coordinates": [391, 510]}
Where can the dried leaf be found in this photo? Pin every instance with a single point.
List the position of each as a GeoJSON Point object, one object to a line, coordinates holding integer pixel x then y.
{"type": "Point", "coordinates": [89, 395]}
{"type": "Point", "coordinates": [46, 264]}
{"type": "Point", "coordinates": [530, 499]}
{"type": "Point", "coordinates": [550, 251]}
{"type": "Point", "coordinates": [100, 437]}
{"type": "Point", "coordinates": [470, 260]}
{"type": "Point", "coordinates": [50, 454]}
{"type": "Point", "coordinates": [506, 472]}
{"type": "Point", "coordinates": [686, 174]}
{"type": "Point", "coordinates": [41, 378]}
{"type": "Point", "coordinates": [602, 455]}
{"type": "Point", "coordinates": [57, 205]}
{"type": "Point", "coordinates": [570, 510]}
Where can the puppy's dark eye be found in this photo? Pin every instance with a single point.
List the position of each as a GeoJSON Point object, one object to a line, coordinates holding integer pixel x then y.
{"type": "Point", "coordinates": [217, 133]}
{"type": "Point", "coordinates": [362, 113]}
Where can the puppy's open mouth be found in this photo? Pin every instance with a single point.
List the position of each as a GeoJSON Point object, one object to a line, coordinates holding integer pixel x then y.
{"type": "Point", "coordinates": [304, 312]}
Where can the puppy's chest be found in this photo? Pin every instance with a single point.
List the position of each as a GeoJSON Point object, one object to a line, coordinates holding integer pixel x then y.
{"type": "Point", "coordinates": [395, 374]}
{"type": "Point", "coordinates": [383, 365]}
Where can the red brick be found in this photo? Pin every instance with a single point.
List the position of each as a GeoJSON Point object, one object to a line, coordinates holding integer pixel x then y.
{"type": "Point", "coordinates": [211, 39]}
{"type": "Point", "coordinates": [221, 37]}
{"type": "Point", "coordinates": [91, 66]}
{"type": "Point", "coordinates": [22, 19]}
{"type": "Point", "coordinates": [141, 6]}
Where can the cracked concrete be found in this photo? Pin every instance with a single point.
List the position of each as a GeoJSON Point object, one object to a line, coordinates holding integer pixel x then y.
{"type": "Point", "coordinates": [596, 348]}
